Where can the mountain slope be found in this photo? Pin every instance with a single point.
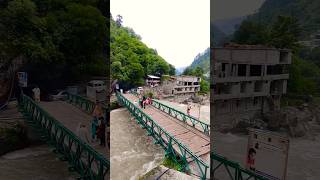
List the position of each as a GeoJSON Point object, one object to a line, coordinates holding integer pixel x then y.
{"type": "Point", "coordinates": [217, 36]}
{"type": "Point", "coordinates": [306, 11]}
{"type": "Point", "coordinates": [228, 26]}
{"type": "Point", "coordinates": [203, 61]}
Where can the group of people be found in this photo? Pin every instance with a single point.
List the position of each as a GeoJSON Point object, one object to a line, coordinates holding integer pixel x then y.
{"type": "Point", "coordinates": [145, 101]}
{"type": "Point", "coordinates": [98, 128]}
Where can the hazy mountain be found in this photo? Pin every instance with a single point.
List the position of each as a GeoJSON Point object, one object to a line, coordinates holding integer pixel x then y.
{"type": "Point", "coordinates": [228, 26]}
{"type": "Point", "coordinates": [179, 70]}
{"type": "Point", "coordinates": [217, 36]}
{"type": "Point", "coordinates": [202, 60]}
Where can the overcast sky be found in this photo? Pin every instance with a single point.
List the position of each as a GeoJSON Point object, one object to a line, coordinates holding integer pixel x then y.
{"type": "Point", "coordinates": [177, 29]}
{"type": "Point", "coordinates": [226, 9]}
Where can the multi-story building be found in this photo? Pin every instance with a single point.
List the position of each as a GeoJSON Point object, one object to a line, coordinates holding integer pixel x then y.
{"type": "Point", "coordinates": [153, 80]}
{"type": "Point", "coordinates": [247, 81]}
{"type": "Point", "coordinates": [181, 85]}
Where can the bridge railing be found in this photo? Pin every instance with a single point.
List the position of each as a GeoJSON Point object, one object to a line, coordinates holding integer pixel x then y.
{"type": "Point", "coordinates": [81, 102]}
{"type": "Point", "coordinates": [201, 126]}
{"type": "Point", "coordinates": [222, 168]}
{"type": "Point", "coordinates": [83, 158]}
{"type": "Point", "coordinates": [85, 104]}
{"type": "Point", "coordinates": [173, 147]}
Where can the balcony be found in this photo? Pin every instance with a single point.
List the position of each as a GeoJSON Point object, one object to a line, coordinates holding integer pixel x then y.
{"type": "Point", "coordinates": [249, 78]}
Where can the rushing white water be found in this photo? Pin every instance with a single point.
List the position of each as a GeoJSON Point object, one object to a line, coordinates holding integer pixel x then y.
{"type": "Point", "coordinates": [132, 152]}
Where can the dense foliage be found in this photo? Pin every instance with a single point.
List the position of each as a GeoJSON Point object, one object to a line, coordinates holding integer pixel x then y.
{"type": "Point", "coordinates": [62, 40]}
{"type": "Point", "coordinates": [306, 12]}
{"type": "Point", "coordinates": [282, 33]}
{"type": "Point", "coordinates": [132, 60]}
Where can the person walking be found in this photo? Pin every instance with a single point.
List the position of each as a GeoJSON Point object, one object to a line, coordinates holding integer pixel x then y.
{"type": "Point", "coordinates": [188, 109]}
{"type": "Point", "coordinates": [36, 94]}
{"type": "Point", "coordinates": [82, 133]}
{"type": "Point", "coordinates": [94, 126]}
{"type": "Point", "coordinates": [101, 132]}
{"type": "Point", "coordinates": [97, 111]}
{"type": "Point", "coordinates": [144, 102]}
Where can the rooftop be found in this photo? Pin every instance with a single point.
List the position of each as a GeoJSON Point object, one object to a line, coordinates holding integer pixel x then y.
{"type": "Point", "coordinates": [153, 77]}
{"type": "Point", "coordinates": [248, 47]}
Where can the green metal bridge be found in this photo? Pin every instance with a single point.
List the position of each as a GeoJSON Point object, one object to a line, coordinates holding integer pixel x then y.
{"type": "Point", "coordinates": [162, 123]}
{"type": "Point", "coordinates": [184, 138]}
{"type": "Point", "coordinates": [56, 122]}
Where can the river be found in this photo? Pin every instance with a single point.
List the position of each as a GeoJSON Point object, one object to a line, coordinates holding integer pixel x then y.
{"type": "Point", "coordinates": [132, 151]}
{"type": "Point", "coordinates": [36, 163]}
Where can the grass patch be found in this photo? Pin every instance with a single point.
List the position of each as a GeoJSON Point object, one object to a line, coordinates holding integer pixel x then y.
{"type": "Point", "coordinates": [170, 163]}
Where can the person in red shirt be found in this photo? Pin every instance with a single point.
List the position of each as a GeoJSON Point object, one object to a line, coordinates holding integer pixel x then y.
{"type": "Point", "coordinates": [251, 159]}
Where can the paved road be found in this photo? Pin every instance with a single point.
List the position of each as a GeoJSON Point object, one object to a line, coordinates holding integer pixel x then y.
{"type": "Point", "coordinates": [198, 142]}
{"type": "Point", "coordinates": [71, 116]}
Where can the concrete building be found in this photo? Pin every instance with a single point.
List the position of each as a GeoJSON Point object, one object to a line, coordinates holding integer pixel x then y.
{"type": "Point", "coordinates": [247, 81]}
{"type": "Point", "coordinates": [153, 81]}
{"type": "Point", "coordinates": [181, 85]}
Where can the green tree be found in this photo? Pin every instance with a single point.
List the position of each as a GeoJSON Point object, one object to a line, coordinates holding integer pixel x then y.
{"type": "Point", "coordinates": [204, 86]}
{"type": "Point", "coordinates": [135, 74]}
{"type": "Point", "coordinates": [285, 32]}
{"type": "Point", "coordinates": [251, 32]}
{"type": "Point", "coordinates": [172, 70]}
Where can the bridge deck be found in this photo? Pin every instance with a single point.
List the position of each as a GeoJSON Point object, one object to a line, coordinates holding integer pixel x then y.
{"type": "Point", "coordinates": [198, 142]}
{"type": "Point", "coordinates": [70, 116]}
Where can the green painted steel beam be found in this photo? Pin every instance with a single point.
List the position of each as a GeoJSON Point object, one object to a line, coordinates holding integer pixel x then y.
{"type": "Point", "coordinates": [81, 156]}
{"type": "Point", "coordinates": [164, 138]}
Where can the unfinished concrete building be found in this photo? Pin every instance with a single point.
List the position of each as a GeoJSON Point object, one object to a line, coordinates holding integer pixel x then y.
{"type": "Point", "coordinates": [181, 85]}
{"type": "Point", "coordinates": [247, 81]}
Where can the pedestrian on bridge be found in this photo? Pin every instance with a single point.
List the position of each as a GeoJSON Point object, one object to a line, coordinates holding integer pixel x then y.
{"type": "Point", "coordinates": [144, 100]}
{"type": "Point", "coordinates": [36, 94]}
{"type": "Point", "coordinates": [83, 133]}
{"type": "Point", "coordinates": [94, 126]}
{"type": "Point", "coordinates": [101, 132]}
{"type": "Point", "coordinates": [188, 109]}
{"type": "Point", "coordinates": [97, 112]}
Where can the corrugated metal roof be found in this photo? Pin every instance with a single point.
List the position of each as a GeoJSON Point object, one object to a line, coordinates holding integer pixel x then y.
{"type": "Point", "coordinates": [153, 77]}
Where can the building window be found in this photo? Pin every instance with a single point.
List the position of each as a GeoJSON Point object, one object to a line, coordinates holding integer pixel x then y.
{"type": "Point", "coordinates": [255, 70]}
{"type": "Point", "coordinates": [258, 86]}
{"type": "Point", "coordinates": [243, 87]}
{"type": "Point", "coordinates": [242, 69]}
{"type": "Point", "coordinates": [255, 101]}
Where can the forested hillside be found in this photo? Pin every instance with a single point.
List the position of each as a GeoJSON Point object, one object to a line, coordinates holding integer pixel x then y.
{"type": "Point", "coordinates": [131, 59]}
{"type": "Point", "coordinates": [307, 13]}
{"type": "Point", "coordinates": [203, 61]}
{"type": "Point", "coordinates": [59, 41]}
